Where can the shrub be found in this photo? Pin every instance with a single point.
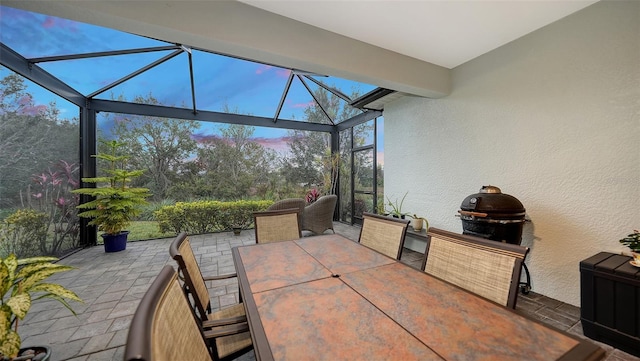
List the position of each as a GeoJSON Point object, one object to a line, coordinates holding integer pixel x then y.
{"type": "Point", "coordinates": [208, 216]}
{"type": "Point", "coordinates": [23, 233]}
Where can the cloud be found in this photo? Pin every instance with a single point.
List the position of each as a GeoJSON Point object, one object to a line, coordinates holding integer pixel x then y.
{"type": "Point", "coordinates": [303, 105]}
{"type": "Point", "coordinates": [262, 68]}
{"type": "Point", "coordinates": [283, 73]}
{"type": "Point", "coordinates": [51, 22]}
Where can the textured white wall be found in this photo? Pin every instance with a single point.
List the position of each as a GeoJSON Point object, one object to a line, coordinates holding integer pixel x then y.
{"type": "Point", "coordinates": [553, 119]}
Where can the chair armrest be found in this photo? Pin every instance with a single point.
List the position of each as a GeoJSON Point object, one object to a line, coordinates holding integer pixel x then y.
{"type": "Point", "coordinates": [220, 277]}
{"type": "Point", "coordinates": [226, 330]}
{"type": "Point", "coordinates": [224, 321]}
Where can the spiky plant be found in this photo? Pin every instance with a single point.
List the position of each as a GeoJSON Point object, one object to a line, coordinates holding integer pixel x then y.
{"type": "Point", "coordinates": [21, 282]}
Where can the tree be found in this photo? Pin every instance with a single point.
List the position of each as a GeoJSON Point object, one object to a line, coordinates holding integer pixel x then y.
{"type": "Point", "coordinates": [159, 146]}
{"type": "Point", "coordinates": [235, 166]}
{"type": "Point", "coordinates": [309, 163]}
{"type": "Point", "coordinates": [31, 138]}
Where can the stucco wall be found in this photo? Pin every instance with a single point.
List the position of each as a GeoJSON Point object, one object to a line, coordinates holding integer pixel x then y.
{"type": "Point", "coordinates": [552, 119]}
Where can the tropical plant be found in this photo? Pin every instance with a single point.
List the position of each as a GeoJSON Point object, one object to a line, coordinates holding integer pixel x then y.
{"type": "Point", "coordinates": [312, 196]}
{"type": "Point", "coordinates": [21, 282]}
{"type": "Point", "coordinates": [632, 241]}
{"type": "Point", "coordinates": [115, 205]}
{"type": "Point", "coordinates": [396, 208]}
{"type": "Point", "coordinates": [51, 193]}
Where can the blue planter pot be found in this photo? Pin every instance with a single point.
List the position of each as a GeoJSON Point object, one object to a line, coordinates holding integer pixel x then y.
{"type": "Point", "coordinates": [115, 243]}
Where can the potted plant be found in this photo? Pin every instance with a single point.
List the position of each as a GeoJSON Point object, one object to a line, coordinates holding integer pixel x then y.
{"type": "Point", "coordinates": [633, 242]}
{"type": "Point", "coordinates": [116, 204]}
{"type": "Point", "coordinates": [418, 222]}
{"type": "Point", "coordinates": [20, 279]}
{"type": "Point", "coordinates": [396, 208]}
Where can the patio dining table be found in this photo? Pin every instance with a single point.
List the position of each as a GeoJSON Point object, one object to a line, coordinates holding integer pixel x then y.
{"type": "Point", "coordinates": [329, 298]}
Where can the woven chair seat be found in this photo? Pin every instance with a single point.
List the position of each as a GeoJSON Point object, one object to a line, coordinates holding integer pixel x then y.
{"type": "Point", "coordinates": [230, 345]}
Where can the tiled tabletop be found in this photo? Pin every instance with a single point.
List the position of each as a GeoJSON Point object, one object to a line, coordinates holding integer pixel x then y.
{"type": "Point", "coordinates": [328, 297]}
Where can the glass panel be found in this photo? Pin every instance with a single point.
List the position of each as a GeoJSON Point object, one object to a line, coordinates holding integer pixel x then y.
{"type": "Point", "coordinates": [363, 170]}
{"type": "Point", "coordinates": [345, 175]}
{"type": "Point", "coordinates": [300, 105]}
{"type": "Point", "coordinates": [226, 84]}
{"type": "Point", "coordinates": [39, 166]}
{"type": "Point", "coordinates": [380, 161]}
{"type": "Point", "coordinates": [186, 160]}
{"type": "Point", "coordinates": [350, 88]}
{"type": "Point", "coordinates": [36, 35]}
{"type": "Point", "coordinates": [363, 134]}
{"type": "Point", "coordinates": [92, 74]}
{"type": "Point", "coordinates": [165, 84]}
{"type": "Point", "coordinates": [362, 203]}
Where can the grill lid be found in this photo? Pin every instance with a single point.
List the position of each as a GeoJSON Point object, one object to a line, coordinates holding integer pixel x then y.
{"type": "Point", "coordinates": [493, 202]}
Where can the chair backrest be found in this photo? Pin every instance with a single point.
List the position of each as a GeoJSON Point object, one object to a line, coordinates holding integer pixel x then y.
{"type": "Point", "coordinates": [383, 234]}
{"type": "Point", "coordinates": [276, 226]}
{"type": "Point", "coordinates": [487, 268]}
{"type": "Point", "coordinates": [318, 216]}
{"type": "Point", "coordinates": [289, 203]}
{"type": "Point", "coordinates": [181, 251]}
{"type": "Point", "coordinates": [163, 326]}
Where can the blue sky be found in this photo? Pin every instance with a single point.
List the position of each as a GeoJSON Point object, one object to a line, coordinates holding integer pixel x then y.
{"type": "Point", "coordinates": [221, 82]}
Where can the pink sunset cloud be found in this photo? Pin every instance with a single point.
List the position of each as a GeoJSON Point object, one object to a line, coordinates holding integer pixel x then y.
{"type": "Point", "coordinates": [52, 23]}
{"type": "Point", "coordinates": [283, 73]}
{"type": "Point", "coordinates": [303, 105]}
{"type": "Point", "coordinates": [263, 69]}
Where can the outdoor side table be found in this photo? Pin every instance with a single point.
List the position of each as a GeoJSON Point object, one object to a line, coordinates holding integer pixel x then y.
{"type": "Point", "coordinates": [610, 301]}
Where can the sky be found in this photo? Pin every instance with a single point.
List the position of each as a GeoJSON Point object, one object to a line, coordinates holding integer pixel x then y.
{"type": "Point", "coordinates": [220, 82]}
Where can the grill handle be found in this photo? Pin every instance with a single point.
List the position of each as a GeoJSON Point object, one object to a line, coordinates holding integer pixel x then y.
{"type": "Point", "coordinates": [473, 214]}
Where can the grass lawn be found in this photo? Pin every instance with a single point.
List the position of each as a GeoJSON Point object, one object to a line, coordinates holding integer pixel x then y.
{"type": "Point", "coordinates": [144, 230]}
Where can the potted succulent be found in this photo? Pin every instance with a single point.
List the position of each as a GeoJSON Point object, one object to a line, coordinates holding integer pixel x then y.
{"type": "Point", "coordinates": [633, 242]}
{"type": "Point", "coordinates": [116, 204]}
{"type": "Point", "coordinates": [419, 222]}
{"type": "Point", "coordinates": [396, 208]}
{"type": "Point", "coordinates": [21, 282]}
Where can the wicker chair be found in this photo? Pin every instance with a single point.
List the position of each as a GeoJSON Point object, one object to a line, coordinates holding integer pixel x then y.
{"type": "Point", "coordinates": [318, 216]}
{"type": "Point", "coordinates": [487, 268]}
{"type": "Point", "coordinates": [277, 226]}
{"type": "Point", "coordinates": [194, 285]}
{"type": "Point", "coordinates": [383, 234]}
{"type": "Point", "coordinates": [164, 327]}
{"type": "Point", "coordinates": [289, 203]}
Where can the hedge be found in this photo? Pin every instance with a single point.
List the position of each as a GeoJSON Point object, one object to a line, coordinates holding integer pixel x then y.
{"type": "Point", "coordinates": [208, 216]}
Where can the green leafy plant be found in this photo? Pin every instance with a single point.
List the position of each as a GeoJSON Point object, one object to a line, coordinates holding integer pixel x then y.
{"type": "Point", "coordinates": [20, 279]}
{"type": "Point", "coordinates": [115, 205]}
{"type": "Point", "coordinates": [396, 208]}
{"type": "Point", "coordinates": [632, 241]}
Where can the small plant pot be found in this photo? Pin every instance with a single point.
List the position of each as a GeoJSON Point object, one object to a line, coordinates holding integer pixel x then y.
{"type": "Point", "coordinates": [417, 224]}
{"type": "Point", "coordinates": [237, 230]}
{"type": "Point", "coordinates": [37, 353]}
{"type": "Point", "coordinates": [115, 242]}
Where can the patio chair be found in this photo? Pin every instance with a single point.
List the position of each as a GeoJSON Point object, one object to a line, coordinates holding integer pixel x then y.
{"type": "Point", "coordinates": [383, 234]}
{"type": "Point", "coordinates": [289, 203]}
{"type": "Point", "coordinates": [164, 327]}
{"type": "Point", "coordinates": [195, 284]}
{"type": "Point", "coordinates": [487, 268]}
{"type": "Point", "coordinates": [318, 216]}
{"type": "Point", "coordinates": [276, 226]}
